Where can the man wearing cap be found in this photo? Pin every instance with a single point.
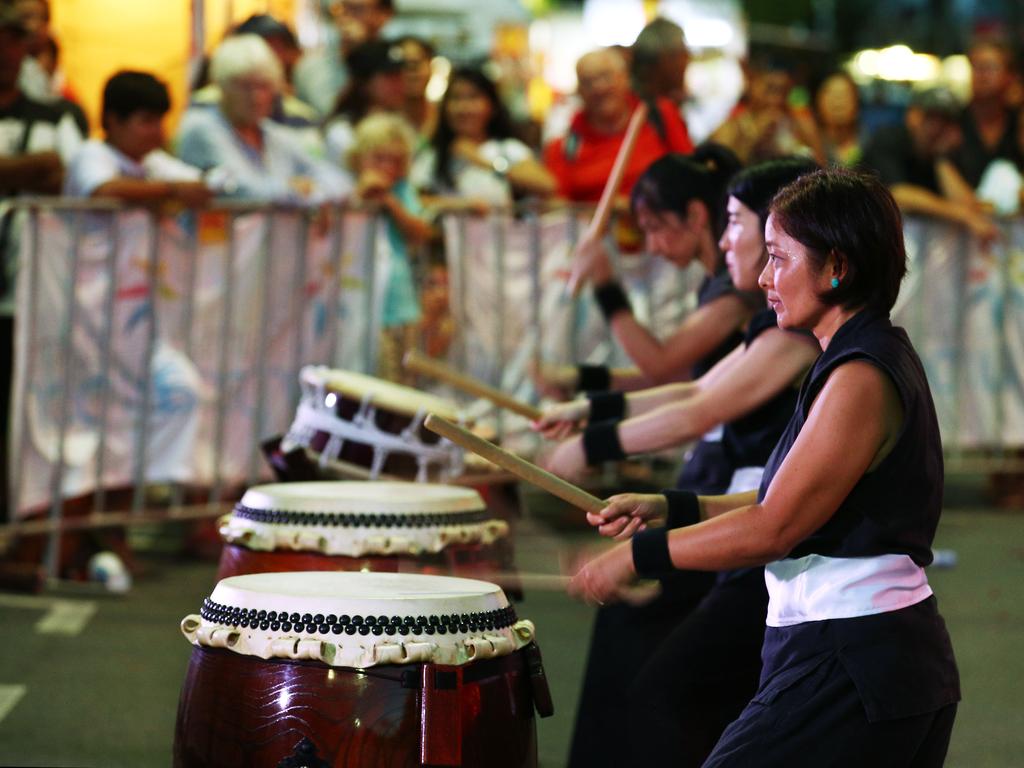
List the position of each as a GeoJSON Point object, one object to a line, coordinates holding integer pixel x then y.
{"type": "Point", "coordinates": [35, 141]}
{"type": "Point", "coordinates": [914, 160]}
{"type": "Point", "coordinates": [321, 75]}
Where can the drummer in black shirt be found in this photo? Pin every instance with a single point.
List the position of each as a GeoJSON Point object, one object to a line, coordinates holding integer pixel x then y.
{"type": "Point", "coordinates": [858, 665]}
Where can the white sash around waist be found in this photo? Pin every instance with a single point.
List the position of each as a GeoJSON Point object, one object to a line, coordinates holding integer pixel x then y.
{"type": "Point", "coordinates": [815, 588]}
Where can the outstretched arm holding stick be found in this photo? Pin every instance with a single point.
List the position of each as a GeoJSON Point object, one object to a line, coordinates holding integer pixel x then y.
{"type": "Point", "coordinates": [588, 249]}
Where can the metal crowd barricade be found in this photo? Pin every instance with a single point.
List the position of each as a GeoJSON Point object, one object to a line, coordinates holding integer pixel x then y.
{"type": "Point", "coordinates": [263, 290]}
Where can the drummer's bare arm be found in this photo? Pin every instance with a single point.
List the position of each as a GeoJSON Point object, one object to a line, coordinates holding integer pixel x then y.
{"type": "Point", "coordinates": [774, 361]}
{"type": "Point", "coordinates": [643, 402]}
{"type": "Point", "coordinates": [627, 513]}
{"type": "Point", "coordinates": [702, 331]}
{"type": "Point", "coordinates": [851, 427]}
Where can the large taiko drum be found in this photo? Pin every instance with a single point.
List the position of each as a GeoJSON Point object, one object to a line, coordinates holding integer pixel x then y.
{"type": "Point", "coordinates": [359, 669]}
{"type": "Point", "coordinates": [366, 526]}
{"type": "Point", "coordinates": [369, 428]}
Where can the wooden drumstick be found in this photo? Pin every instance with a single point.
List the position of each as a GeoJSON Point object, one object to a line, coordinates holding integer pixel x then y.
{"type": "Point", "coordinates": [521, 468]}
{"type": "Point", "coordinates": [429, 366]}
{"type": "Point", "coordinates": [599, 221]}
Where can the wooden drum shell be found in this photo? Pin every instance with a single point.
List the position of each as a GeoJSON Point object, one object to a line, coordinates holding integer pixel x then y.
{"type": "Point", "coordinates": [488, 562]}
{"type": "Point", "coordinates": [240, 711]}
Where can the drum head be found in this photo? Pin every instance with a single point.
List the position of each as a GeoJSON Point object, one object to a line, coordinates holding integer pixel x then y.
{"type": "Point", "coordinates": [356, 519]}
{"type": "Point", "coordinates": [386, 498]}
{"type": "Point", "coordinates": [359, 619]}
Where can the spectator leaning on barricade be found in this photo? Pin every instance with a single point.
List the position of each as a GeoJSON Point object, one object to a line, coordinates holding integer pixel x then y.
{"type": "Point", "coordinates": [242, 151]}
{"type": "Point", "coordinates": [913, 159]}
{"type": "Point", "coordinates": [765, 125]}
{"type": "Point", "coordinates": [988, 124]}
{"type": "Point", "coordinates": [582, 160]}
{"type": "Point", "coordinates": [130, 164]}
{"type": "Point", "coordinates": [321, 75]}
{"type": "Point", "coordinates": [375, 85]}
{"type": "Point", "coordinates": [474, 160]}
{"type": "Point", "coordinates": [35, 141]}
{"type": "Point", "coordinates": [295, 116]}
{"type": "Point", "coordinates": [837, 105]}
{"type": "Point", "coordinates": [380, 156]}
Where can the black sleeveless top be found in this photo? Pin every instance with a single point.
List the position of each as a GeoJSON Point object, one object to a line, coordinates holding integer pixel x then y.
{"type": "Point", "coordinates": [894, 508]}
{"type": "Point", "coordinates": [901, 662]}
{"type": "Point", "coordinates": [750, 439]}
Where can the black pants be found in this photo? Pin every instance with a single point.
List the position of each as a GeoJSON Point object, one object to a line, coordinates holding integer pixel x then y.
{"type": "Point", "coordinates": [701, 676]}
{"type": "Point", "coordinates": [624, 637]}
{"type": "Point", "coordinates": [820, 720]}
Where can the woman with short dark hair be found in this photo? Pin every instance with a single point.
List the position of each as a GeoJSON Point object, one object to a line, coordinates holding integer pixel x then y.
{"type": "Point", "coordinates": [858, 665]}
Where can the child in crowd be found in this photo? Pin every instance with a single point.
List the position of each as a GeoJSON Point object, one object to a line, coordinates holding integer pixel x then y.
{"type": "Point", "coordinates": [129, 164]}
{"type": "Point", "coordinates": [380, 158]}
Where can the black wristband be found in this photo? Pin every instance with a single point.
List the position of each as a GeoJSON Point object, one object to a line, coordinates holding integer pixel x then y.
{"type": "Point", "coordinates": [683, 508]}
{"type": "Point", "coordinates": [611, 299]}
{"type": "Point", "coordinates": [651, 559]}
{"type": "Point", "coordinates": [607, 406]}
{"type": "Point", "coordinates": [601, 443]}
{"type": "Point", "coordinates": [591, 377]}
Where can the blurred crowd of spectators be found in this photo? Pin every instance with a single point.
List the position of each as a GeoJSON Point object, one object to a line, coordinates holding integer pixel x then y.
{"type": "Point", "coordinates": [270, 122]}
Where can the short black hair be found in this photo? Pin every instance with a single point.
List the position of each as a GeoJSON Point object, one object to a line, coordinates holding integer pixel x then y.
{"type": "Point", "coordinates": [128, 92]}
{"type": "Point", "coordinates": [853, 217]}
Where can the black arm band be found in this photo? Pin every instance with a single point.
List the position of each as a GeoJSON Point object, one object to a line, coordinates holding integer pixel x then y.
{"type": "Point", "coordinates": [611, 299]}
{"type": "Point", "coordinates": [601, 443]}
{"type": "Point", "coordinates": [683, 508]}
{"type": "Point", "coordinates": [591, 377]}
{"type": "Point", "coordinates": [650, 553]}
{"type": "Point", "coordinates": [607, 406]}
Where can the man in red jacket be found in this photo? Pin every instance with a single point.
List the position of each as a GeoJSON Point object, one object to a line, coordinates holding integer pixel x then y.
{"type": "Point", "coordinates": [582, 159]}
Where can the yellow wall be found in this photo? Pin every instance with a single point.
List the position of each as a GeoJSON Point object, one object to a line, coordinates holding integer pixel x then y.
{"type": "Point", "coordinates": [99, 37]}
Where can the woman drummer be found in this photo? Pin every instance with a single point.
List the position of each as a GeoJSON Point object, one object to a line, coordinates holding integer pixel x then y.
{"type": "Point", "coordinates": [858, 666]}
{"type": "Point", "coordinates": [679, 205]}
{"type": "Point", "coordinates": [756, 394]}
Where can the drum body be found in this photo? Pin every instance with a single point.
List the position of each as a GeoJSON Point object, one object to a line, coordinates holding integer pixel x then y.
{"type": "Point", "coordinates": [369, 428]}
{"type": "Point", "coordinates": [366, 526]}
{"type": "Point", "coordinates": [425, 684]}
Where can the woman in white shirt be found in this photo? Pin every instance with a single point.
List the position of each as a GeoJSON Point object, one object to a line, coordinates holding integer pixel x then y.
{"type": "Point", "coordinates": [473, 160]}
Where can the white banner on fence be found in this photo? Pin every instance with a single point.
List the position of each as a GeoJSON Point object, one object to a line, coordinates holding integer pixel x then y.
{"type": "Point", "coordinates": [225, 311]}
{"type": "Point", "coordinates": [235, 318]}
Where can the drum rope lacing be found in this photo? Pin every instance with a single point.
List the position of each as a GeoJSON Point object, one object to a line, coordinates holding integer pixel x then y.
{"type": "Point", "coordinates": [283, 621]}
{"type": "Point", "coordinates": [360, 519]}
{"type": "Point", "coordinates": [316, 413]}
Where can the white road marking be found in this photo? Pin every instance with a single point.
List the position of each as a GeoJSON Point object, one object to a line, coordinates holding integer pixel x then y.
{"type": "Point", "coordinates": [66, 617]}
{"type": "Point", "coordinates": [10, 695]}
{"type": "Point", "coordinates": [61, 617]}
